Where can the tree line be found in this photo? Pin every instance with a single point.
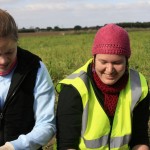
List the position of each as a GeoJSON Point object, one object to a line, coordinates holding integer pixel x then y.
{"type": "Point", "coordinates": [78, 27]}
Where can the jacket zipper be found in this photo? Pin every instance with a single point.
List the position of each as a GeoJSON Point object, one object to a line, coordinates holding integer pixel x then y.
{"type": "Point", "coordinates": [9, 99]}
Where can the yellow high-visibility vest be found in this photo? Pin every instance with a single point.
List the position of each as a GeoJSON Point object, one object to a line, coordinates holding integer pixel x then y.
{"type": "Point", "coordinates": [97, 133]}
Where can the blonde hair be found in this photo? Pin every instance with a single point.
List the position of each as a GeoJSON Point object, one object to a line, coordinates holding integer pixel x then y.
{"type": "Point", "coordinates": [8, 27]}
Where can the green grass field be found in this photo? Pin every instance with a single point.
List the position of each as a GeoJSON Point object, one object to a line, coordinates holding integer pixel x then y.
{"type": "Point", "coordinates": [64, 53]}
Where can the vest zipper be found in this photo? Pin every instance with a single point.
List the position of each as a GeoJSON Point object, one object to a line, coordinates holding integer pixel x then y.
{"type": "Point", "coordinates": [1, 117]}
{"type": "Point", "coordinates": [3, 109]}
{"type": "Point", "coordinates": [11, 96]}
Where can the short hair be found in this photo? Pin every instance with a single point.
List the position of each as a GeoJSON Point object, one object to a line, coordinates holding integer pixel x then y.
{"type": "Point", "coordinates": [8, 27]}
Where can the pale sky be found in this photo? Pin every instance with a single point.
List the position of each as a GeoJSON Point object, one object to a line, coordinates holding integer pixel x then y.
{"type": "Point", "coordinates": [69, 13]}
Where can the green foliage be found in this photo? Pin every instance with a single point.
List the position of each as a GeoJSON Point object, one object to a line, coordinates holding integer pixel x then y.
{"type": "Point", "coordinates": [63, 54]}
{"type": "Point", "coordinates": [140, 48]}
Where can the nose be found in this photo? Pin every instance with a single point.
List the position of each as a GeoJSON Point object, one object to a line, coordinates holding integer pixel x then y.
{"type": "Point", "coordinates": [3, 60]}
{"type": "Point", "coordinates": [109, 68]}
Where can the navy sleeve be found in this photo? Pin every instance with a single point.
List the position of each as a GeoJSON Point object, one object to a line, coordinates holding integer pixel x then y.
{"type": "Point", "coordinates": [69, 118]}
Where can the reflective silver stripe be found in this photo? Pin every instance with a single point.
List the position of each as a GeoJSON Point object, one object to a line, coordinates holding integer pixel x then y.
{"type": "Point", "coordinates": [75, 75]}
{"type": "Point", "coordinates": [84, 119]}
{"type": "Point", "coordinates": [96, 143]}
{"type": "Point", "coordinates": [135, 87]}
{"type": "Point", "coordinates": [83, 76]}
{"type": "Point", "coordinates": [103, 141]}
{"type": "Point", "coordinates": [119, 141]}
{"type": "Point", "coordinates": [115, 142]}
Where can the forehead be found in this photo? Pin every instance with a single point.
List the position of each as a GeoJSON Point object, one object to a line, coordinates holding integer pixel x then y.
{"type": "Point", "coordinates": [6, 43]}
{"type": "Point", "coordinates": [110, 57]}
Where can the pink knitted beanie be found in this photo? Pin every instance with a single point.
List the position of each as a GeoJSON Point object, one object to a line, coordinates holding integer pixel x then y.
{"type": "Point", "coordinates": [111, 39]}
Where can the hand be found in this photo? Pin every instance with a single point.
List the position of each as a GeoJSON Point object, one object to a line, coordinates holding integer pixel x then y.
{"type": "Point", "coordinates": [7, 146]}
{"type": "Point", "coordinates": [4, 148]}
{"type": "Point", "coordinates": [140, 147]}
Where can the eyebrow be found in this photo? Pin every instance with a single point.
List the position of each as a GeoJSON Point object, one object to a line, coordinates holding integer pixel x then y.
{"type": "Point", "coordinates": [119, 60]}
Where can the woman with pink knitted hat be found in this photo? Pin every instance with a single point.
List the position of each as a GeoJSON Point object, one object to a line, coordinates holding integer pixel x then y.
{"type": "Point", "coordinates": [104, 105]}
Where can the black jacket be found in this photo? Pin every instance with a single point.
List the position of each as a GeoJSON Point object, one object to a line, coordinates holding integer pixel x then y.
{"type": "Point", "coordinates": [17, 116]}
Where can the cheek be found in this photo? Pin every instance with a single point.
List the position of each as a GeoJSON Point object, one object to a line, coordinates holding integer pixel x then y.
{"type": "Point", "coordinates": [11, 58]}
{"type": "Point", "coordinates": [99, 68]}
{"type": "Point", "coordinates": [121, 69]}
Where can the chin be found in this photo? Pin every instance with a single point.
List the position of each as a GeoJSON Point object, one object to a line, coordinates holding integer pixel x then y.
{"type": "Point", "coordinates": [109, 82]}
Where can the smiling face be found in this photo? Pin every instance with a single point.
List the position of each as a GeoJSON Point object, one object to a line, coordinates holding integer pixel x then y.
{"type": "Point", "coordinates": [110, 68]}
{"type": "Point", "coordinates": [8, 52]}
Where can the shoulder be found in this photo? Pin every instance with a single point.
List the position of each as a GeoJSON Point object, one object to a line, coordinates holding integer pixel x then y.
{"type": "Point", "coordinates": [25, 56]}
{"type": "Point", "coordinates": [71, 98]}
{"type": "Point", "coordinates": [43, 79]}
{"type": "Point", "coordinates": [42, 70]}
